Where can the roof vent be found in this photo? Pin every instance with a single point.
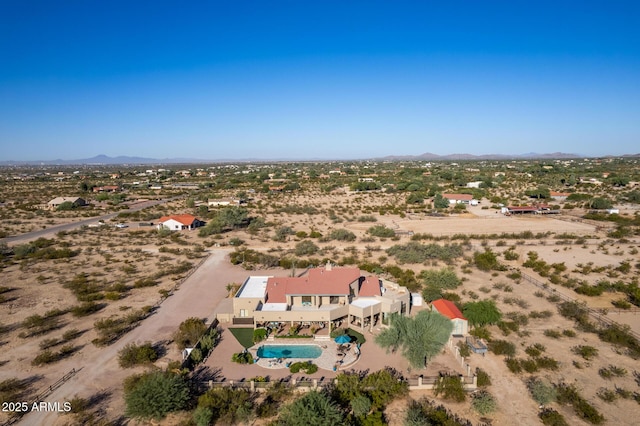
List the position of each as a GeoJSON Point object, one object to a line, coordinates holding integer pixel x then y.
{"type": "Point", "coordinates": [328, 267]}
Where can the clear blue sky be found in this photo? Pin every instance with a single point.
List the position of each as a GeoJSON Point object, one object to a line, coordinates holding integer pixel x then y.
{"type": "Point", "coordinates": [317, 79]}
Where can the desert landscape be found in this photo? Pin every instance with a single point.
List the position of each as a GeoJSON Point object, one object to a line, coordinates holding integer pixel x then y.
{"type": "Point", "coordinates": [77, 290]}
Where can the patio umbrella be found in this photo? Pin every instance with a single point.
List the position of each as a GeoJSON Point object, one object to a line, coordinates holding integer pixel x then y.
{"type": "Point", "coordinates": [343, 338]}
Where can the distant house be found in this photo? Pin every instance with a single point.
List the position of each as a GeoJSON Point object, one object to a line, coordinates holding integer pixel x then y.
{"type": "Point", "coordinates": [460, 199]}
{"type": "Point", "coordinates": [450, 310]}
{"type": "Point", "coordinates": [106, 188]}
{"type": "Point", "coordinates": [224, 202]}
{"type": "Point", "coordinates": [475, 184]}
{"type": "Point", "coordinates": [560, 196]}
{"type": "Point", "coordinates": [178, 222]}
{"type": "Point", "coordinates": [76, 201]}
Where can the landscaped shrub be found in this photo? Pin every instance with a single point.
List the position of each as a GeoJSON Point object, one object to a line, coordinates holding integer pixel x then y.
{"type": "Point", "coordinates": [307, 367]}
{"type": "Point", "coordinates": [259, 334]}
{"type": "Point", "coordinates": [189, 332]}
{"type": "Point", "coordinates": [242, 358]}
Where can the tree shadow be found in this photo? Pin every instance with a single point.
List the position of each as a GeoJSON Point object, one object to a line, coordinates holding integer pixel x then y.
{"type": "Point", "coordinates": [161, 347]}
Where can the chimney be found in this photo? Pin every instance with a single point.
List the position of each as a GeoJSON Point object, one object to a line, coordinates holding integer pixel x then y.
{"type": "Point", "coordinates": [328, 267]}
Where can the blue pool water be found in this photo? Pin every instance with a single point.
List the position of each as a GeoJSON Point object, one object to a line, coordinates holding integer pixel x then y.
{"type": "Point", "coordinates": [289, 351]}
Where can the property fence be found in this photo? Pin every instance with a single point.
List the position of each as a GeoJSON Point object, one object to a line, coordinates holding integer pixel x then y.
{"type": "Point", "coordinates": [598, 316]}
{"type": "Point", "coordinates": [469, 383]}
{"type": "Point", "coordinates": [41, 396]}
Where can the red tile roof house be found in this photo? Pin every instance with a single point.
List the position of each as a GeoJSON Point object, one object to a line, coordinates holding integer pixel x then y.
{"type": "Point", "coordinates": [325, 297]}
{"type": "Point", "coordinates": [451, 311]}
{"type": "Point", "coordinates": [178, 222]}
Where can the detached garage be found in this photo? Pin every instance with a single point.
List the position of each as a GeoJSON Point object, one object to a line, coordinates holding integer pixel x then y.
{"type": "Point", "coordinates": [450, 310]}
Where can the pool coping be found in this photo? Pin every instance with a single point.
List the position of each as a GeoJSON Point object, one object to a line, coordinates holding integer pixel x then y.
{"type": "Point", "coordinates": [328, 359]}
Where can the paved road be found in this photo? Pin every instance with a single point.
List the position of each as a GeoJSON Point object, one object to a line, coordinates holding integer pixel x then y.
{"type": "Point", "coordinates": [81, 222]}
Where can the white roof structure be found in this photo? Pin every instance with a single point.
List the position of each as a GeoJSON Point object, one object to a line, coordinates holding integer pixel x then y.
{"type": "Point", "coordinates": [274, 307]}
{"type": "Point", "coordinates": [364, 303]}
{"type": "Point", "coordinates": [254, 287]}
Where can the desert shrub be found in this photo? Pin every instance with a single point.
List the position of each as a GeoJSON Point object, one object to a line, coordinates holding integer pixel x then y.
{"type": "Point", "coordinates": [425, 412]}
{"type": "Point", "coordinates": [450, 388]}
{"type": "Point", "coordinates": [483, 378]}
{"type": "Point", "coordinates": [554, 334]}
{"type": "Point", "coordinates": [381, 231]}
{"type": "Point", "coordinates": [612, 371]}
{"type": "Point", "coordinates": [513, 364]}
{"type": "Point", "coordinates": [547, 363]}
{"type": "Point", "coordinates": [132, 355]}
{"type": "Point", "coordinates": [487, 261]}
{"type": "Point", "coordinates": [414, 252]}
{"type": "Point", "coordinates": [483, 402]}
{"type": "Point", "coordinates": [511, 255]}
{"type": "Point", "coordinates": [502, 347]}
{"type": "Point", "coordinates": [145, 282]}
{"type": "Point", "coordinates": [607, 395]}
{"type": "Point", "coordinates": [226, 406]}
{"type": "Point", "coordinates": [585, 351]}
{"type": "Point", "coordinates": [568, 333]}
{"type": "Point", "coordinates": [305, 248]}
{"type": "Point", "coordinates": [569, 395]}
{"type": "Point", "coordinates": [535, 350]}
{"type": "Point", "coordinates": [87, 308]}
{"type": "Point", "coordinates": [541, 391]}
{"type": "Point", "coordinates": [551, 417]}
{"type": "Point", "coordinates": [342, 235]}
{"type": "Point", "coordinates": [620, 336]}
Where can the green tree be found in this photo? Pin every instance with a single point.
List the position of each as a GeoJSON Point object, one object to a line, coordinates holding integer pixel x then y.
{"type": "Point", "coordinates": [313, 409]}
{"type": "Point", "coordinates": [600, 203]}
{"type": "Point", "coordinates": [420, 337]}
{"type": "Point", "coordinates": [444, 279]}
{"type": "Point", "coordinates": [540, 192]}
{"type": "Point", "coordinates": [416, 198]}
{"type": "Point", "coordinates": [155, 394]}
{"type": "Point", "coordinates": [189, 332]}
{"type": "Point", "coordinates": [487, 261]}
{"type": "Point", "coordinates": [450, 388]}
{"type": "Point", "coordinates": [439, 202]}
{"type": "Point", "coordinates": [227, 405]}
{"type": "Point", "coordinates": [483, 402]}
{"type": "Point", "coordinates": [482, 312]}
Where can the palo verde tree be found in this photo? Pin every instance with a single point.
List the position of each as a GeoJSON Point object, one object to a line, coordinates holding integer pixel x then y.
{"type": "Point", "coordinates": [481, 313]}
{"type": "Point", "coordinates": [420, 338]}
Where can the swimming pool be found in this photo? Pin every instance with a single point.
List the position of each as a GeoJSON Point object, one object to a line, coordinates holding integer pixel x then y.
{"type": "Point", "coordinates": [289, 351]}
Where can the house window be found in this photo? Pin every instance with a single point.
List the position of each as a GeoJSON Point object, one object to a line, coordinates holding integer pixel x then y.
{"type": "Point", "coordinates": [244, 313]}
{"type": "Point", "coordinates": [334, 300]}
{"type": "Point", "coordinates": [306, 300]}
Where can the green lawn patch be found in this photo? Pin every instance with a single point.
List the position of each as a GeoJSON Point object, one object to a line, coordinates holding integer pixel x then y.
{"type": "Point", "coordinates": [359, 338]}
{"type": "Point", "coordinates": [243, 335]}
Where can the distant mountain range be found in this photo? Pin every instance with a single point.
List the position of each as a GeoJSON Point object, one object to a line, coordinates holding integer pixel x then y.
{"type": "Point", "coordinates": [427, 156]}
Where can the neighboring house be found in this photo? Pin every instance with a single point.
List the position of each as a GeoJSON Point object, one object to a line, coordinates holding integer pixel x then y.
{"type": "Point", "coordinates": [560, 196]}
{"type": "Point", "coordinates": [224, 202]}
{"type": "Point", "coordinates": [325, 297]}
{"type": "Point", "coordinates": [460, 199]}
{"type": "Point", "coordinates": [55, 203]}
{"type": "Point", "coordinates": [450, 310]}
{"type": "Point", "coordinates": [179, 222]}
{"type": "Point", "coordinates": [475, 184]}
{"type": "Point", "coordinates": [106, 188]}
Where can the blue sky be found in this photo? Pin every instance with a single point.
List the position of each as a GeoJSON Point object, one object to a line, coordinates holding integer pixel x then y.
{"type": "Point", "coordinates": [331, 79]}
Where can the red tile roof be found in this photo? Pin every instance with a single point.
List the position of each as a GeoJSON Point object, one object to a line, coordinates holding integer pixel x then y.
{"type": "Point", "coordinates": [447, 308]}
{"type": "Point", "coordinates": [320, 281]}
{"type": "Point", "coordinates": [464, 197]}
{"type": "Point", "coordinates": [370, 287]}
{"type": "Point", "coordinates": [185, 219]}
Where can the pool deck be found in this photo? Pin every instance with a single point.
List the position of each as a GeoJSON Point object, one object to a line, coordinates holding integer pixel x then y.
{"type": "Point", "coordinates": [330, 357]}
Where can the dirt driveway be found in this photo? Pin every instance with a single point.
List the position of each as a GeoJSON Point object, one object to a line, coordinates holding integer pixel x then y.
{"type": "Point", "coordinates": [99, 369]}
